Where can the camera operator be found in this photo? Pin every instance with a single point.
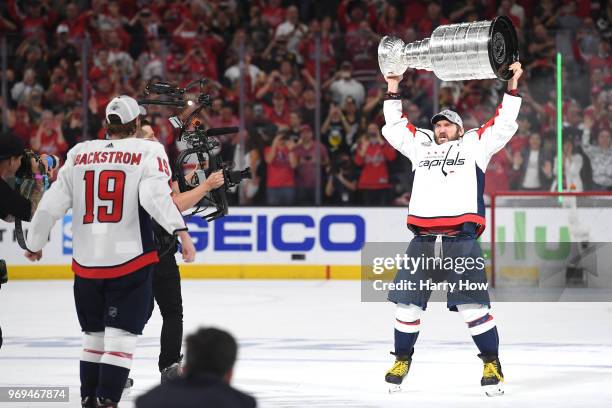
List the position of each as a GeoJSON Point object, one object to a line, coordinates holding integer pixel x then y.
{"type": "Point", "coordinates": [166, 276]}
{"type": "Point", "coordinates": [17, 204]}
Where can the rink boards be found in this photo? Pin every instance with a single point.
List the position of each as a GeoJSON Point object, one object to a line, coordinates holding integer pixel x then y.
{"type": "Point", "coordinates": [305, 242]}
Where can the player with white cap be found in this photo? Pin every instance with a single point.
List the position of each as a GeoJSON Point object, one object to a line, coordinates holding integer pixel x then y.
{"type": "Point", "coordinates": [114, 187]}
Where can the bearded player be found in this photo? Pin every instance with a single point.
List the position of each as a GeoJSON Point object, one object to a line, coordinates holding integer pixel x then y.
{"type": "Point", "coordinates": [447, 215]}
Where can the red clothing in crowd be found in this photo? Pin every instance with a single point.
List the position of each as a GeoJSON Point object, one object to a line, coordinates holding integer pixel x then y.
{"type": "Point", "coordinates": [102, 99]}
{"type": "Point", "coordinates": [345, 19]}
{"type": "Point", "coordinates": [497, 176]}
{"type": "Point", "coordinates": [23, 127]}
{"type": "Point", "coordinates": [599, 62]}
{"type": "Point", "coordinates": [31, 27]}
{"type": "Point", "coordinates": [306, 171]}
{"type": "Point", "coordinates": [426, 26]}
{"type": "Point", "coordinates": [396, 30]}
{"type": "Point", "coordinates": [360, 47]}
{"type": "Point", "coordinates": [375, 175]}
{"type": "Point", "coordinates": [413, 12]}
{"type": "Point", "coordinates": [77, 27]}
{"type": "Point", "coordinates": [280, 173]}
{"type": "Point", "coordinates": [308, 52]}
{"type": "Point", "coordinates": [217, 121]}
{"type": "Point", "coordinates": [273, 16]}
{"type": "Point", "coordinates": [50, 143]}
{"type": "Point", "coordinates": [518, 143]}
{"type": "Point", "coordinates": [278, 118]}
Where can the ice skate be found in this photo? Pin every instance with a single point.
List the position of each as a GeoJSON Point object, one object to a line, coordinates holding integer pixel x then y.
{"type": "Point", "coordinates": [397, 372]}
{"type": "Point", "coordinates": [492, 377]}
{"type": "Point", "coordinates": [88, 402]}
{"type": "Point", "coordinates": [106, 403]}
{"type": "Point", "coordinates": [172, 372]}
{"type": "Point", "coordinates": [127, 388]}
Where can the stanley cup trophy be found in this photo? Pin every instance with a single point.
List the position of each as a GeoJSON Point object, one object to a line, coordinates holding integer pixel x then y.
{"type": "Point", "coordinates": [455, 52]}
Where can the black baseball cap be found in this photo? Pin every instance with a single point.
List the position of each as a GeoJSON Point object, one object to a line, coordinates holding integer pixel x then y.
{"type": "Point", "coordinates": [10, 146]}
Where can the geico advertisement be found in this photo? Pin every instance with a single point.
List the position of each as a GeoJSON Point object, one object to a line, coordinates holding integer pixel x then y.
{"type": "Point", "coordinates": [257, 235]}
{"type": "Point", "coordinates": [328, 236]}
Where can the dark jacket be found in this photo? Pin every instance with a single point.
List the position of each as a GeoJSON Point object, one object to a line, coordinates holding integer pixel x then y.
{"type": "Point", "coordinates": [13, 204]}
{"type": "Point", "coordinates": [517, 176]}
{"type": "Point", "coordinates": [201, 391]}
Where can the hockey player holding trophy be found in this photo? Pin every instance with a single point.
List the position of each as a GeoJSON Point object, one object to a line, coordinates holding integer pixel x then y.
{"type": "Point", "coordinates": [446, 211]}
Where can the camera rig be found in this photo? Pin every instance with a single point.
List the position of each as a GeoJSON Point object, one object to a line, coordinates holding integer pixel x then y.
{"type": "Point", "coordinates": [200, 142]}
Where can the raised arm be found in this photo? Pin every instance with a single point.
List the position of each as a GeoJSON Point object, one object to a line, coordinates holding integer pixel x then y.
{"type": "Point", "coordinates": [497, 131]}
{"type": "Point", "coordinates": [52, 207]}
{"type": "Point", "coordinates": [399, 132]}
{"type": "Point", "coordinates": [587, 147]}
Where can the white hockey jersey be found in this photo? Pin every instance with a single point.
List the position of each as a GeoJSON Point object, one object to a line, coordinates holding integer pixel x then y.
{"type": "Point", "coordinates": [449, 178]}
{"type": "Point", "coordinates": [114, 187]}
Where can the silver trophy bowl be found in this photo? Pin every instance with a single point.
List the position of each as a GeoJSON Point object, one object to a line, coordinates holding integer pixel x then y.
{"type": "Point", "coordinates": [455, 52]}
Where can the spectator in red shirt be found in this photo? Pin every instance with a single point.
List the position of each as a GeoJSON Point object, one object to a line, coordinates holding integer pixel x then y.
{"type": "Point", "coordinates": [185, 35]}
{"type": "Point", "coordinates": [520, 141]}
{"type": "Point", "coordinates": [327, 52]}
{"type": "Point", "coordinates": [351, 13]}
{"type": "Point", "coordinates": [49, 137]}
{"type": "Point", "coordinates": [76, 21]}
{"type": "Point", "coordinates": [278, 113]}
{"type": "Point", "coordinates": [104, 90]}
{"type": "Point", "coordinates": [21, 124]}
{"type": "Point", "coordinates": [295, 93]}
{"type": "Point", "coordinates": [226, 117]}
{"type": "Point", "coordinates": [359, 46]}
{"type": "Point", "coordinates": [497, 177]}
{"type": "Point", "coordinates": [373, 153]}
{"type": "Point", "coordinates": [472, 105]}
{"type": "Point", "coordinates": [413, 12]}
{"type": "Point", "coordinates": [307, 168]}
{"type": "Point", "coordinates": [35, 21]}
{"type": "Point", "coordinates": [273, 13]}
{"type": "Point", "coordinates": [270, 85]}
{"type": "Point", "coordinates": [282, 161]}
{"type": "Point", "coordinates": [390, 22]}
{"type": "Point", "coordinates": [433, 19]}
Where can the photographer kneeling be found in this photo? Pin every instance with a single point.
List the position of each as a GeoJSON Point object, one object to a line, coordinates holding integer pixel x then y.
{"type": "Point", "coordinates": [18, 204]}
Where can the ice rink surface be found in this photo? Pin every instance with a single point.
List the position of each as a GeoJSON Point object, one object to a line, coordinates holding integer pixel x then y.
{"type": "Point", "coordinates": [315, 344]}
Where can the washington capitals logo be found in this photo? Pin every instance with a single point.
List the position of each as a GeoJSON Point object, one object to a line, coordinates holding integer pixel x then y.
{"type": "Point", "coordinates": [443, 163]}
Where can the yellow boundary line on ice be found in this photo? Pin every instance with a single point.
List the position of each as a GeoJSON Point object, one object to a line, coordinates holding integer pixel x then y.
{"type": "Point", "coordinates": [253, 271]}
{"type": "Point", "coordinates": [250, 271]}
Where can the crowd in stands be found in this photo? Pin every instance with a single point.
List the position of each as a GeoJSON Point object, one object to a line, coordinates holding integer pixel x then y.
{"type": "Point", "coordinates": [58, 49]}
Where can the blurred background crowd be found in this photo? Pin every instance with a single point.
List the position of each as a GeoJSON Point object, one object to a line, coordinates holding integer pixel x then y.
{"type": "Point", "coordinates": [291, 73]}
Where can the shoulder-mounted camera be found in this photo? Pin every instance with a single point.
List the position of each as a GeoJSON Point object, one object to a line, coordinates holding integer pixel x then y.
{"type": "Point", "coordinates": [201, 143]}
